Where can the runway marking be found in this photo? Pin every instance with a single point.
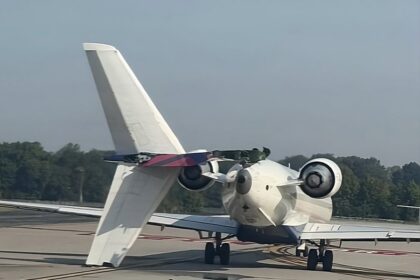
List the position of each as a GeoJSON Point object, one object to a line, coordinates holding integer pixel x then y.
{"type": "Point", "coordinates": [141, 236]}
{"type": "Point", "coordinates": [284, 255]}
{"type": "Point", "coordinates": [142, 264]}
{"type": "Point", "coordinates": [80, 232]}
{"type": "Point", "coordinates": [231, 241]}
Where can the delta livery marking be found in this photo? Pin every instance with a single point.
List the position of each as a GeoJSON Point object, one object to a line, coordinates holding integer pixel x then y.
{"type": "Point", "coordinates": [173, 160]}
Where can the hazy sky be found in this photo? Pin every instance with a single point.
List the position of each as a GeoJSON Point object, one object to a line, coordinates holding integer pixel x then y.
{"type": "Point", "coordinates": [300, 77]}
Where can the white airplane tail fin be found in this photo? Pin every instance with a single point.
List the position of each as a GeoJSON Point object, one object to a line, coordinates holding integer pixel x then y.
{"type": "Point", "coordinates": [135, 123]}
{"type": "Point", "coordinates": [136, 126]}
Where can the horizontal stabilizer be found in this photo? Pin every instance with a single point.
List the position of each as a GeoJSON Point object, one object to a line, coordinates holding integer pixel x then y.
{"type": "Point", "coordinates": [317, 231]}
{"type": "Point", "coordinates": [162, 160]}
{"type": "Point", "coordinates": [147, 159]}
{"type": "Point", "coordinates": [171, 160]}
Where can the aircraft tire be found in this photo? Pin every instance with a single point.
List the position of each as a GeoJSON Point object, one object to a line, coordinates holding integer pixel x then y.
{"type": "Point", "coordinates": [209, 253]}
{"type": "Point", "coordinates": [327, 260]}
{"type": "Point", "coordinates": [306, 251]}
{"type": "Point", "coordinates": [312, 259]}
{"type": "Point", "coordinates": [224, 254]}
{"type": "Point", "coordinates": [297, 252]}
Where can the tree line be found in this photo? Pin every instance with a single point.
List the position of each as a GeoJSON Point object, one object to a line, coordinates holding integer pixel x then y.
{"type": "Point", "coordinates": [29, 172]}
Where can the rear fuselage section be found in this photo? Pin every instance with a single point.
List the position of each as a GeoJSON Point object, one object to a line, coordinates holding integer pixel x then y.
{"type": "Point", "coordinates": [263, 198]}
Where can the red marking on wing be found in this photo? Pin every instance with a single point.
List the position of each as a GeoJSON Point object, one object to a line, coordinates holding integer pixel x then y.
{"type": "Point", "coordinates": [175, 160]}
{"type": "Point", "coordinates": [158, 158]}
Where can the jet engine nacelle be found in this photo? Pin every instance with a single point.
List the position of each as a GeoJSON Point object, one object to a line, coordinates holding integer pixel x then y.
{"type": "Point", "coordinates": [321, 178]}
{"type": "Point", "coordinates": [191, 177]}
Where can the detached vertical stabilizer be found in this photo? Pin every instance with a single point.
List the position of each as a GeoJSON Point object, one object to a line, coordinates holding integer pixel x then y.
{"type": "Point", "coordinates": [136, 126]}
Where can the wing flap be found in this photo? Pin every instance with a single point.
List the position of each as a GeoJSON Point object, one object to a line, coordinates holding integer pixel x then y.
{"type": "Point", "coordinates": [222, 224]}
{"type": "Point", "coordinates": [316, 231]}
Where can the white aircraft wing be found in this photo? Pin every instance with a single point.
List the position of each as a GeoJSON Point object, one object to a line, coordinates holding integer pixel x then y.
{"type": "Point", "coordinates": [54, 208]}
{"type": "Point", "coordinates": [217, 223]}
{"type": "Point", "coordinates": [136, 126]}
{"type": "Point", "coordinates": [317, 231]}
{"type": "Point", "coordinates": [213, 223]}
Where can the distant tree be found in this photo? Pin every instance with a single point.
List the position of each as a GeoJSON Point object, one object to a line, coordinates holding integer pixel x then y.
{"type": "Point", "coordinates": [212, 197]}
{"type": "Point", "coordinates": [295, 162]}
{"type": "Point", "coordinates": [374, 196]}
{"type": "Point", "coordinates": [65, 181]}
{"type": "Point", "coordinates": [24, 170]}
{"type": "Point", "coordinates": [407, 189]}
{"type": "Point", "coordinates": [59, 185]}
{"type": "Point", "coordinates": [8, 169]}
{"type": "Point", "coordinates": [409, 172]}
{"type": "Point", "coordinates": [368, 189]}
{"type": "Point", "coordinates": [180, 200]}
{"type": "Point", "coordinates": [345, 203]}
{"type": "Point", "coordinates": [98, 176]}
{"type": "Point", "coordinates": [328, 156]}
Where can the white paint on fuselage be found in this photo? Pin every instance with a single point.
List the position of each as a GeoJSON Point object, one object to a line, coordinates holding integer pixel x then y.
{"type": "Point", "coordinates": [268, 204]}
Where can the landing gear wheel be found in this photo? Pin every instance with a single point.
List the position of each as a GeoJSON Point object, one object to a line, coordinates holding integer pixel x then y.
{"type": "Point", "coordinates": [297, 252]}
{"type": "Point", "coordinates": [224, 253]}
{"type": "Point", "coordinates": [327, 260]}
{"type": "Point", "coordinates": [306, 251]}
{"type": "Point", "coordinates": [312, 259]}
{"type": "Point", "coordinates": [209, 253]}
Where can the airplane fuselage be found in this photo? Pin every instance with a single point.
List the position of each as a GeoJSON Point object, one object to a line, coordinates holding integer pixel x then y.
{"type": "Point", "coordinates": [261, 198]}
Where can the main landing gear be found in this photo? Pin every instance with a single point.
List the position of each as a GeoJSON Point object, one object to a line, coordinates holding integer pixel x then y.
{"type": "Point", "coordinates": [304, 251]}
{"type": "Point", "coordinates": [217, 249]}
{"type": "Point", "coordinates": [320, 255]}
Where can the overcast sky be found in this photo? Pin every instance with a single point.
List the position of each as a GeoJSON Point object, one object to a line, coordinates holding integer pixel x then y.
{"type": "Point", "coordinates": [300, 77]}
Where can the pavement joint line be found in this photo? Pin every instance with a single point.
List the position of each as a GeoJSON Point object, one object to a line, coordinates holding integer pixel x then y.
{"type": "Point", "coordinates": [137, 265]}
{"type": "Point", "coordinates": [142, 236]}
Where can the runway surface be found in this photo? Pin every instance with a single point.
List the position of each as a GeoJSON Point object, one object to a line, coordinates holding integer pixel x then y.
{"type": "Point", "coordinates": [37, 245]}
